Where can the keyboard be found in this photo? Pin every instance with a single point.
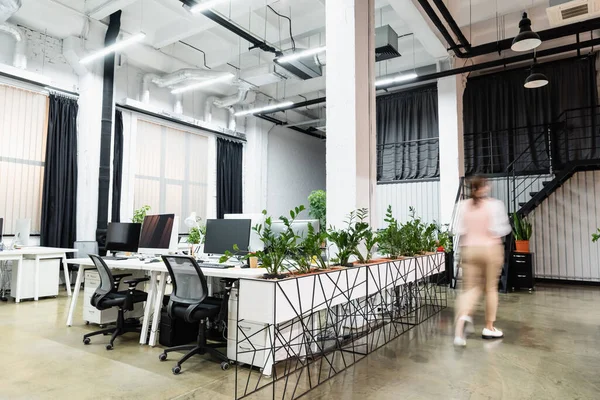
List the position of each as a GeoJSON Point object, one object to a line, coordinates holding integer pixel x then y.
{"type": "Point", "coordinates": [215, 265]}
{"type": "Point", "coordinates": [112, 258]}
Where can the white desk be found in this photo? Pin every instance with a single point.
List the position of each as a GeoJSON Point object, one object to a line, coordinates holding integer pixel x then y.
{"type": "Point", "coordinates": [37, 253]}
{"type": "Point", "coordinates": [158, 277]}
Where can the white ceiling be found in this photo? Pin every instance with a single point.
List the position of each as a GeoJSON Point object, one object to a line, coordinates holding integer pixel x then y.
{"type": "Point", "coordinates": [467, 12]}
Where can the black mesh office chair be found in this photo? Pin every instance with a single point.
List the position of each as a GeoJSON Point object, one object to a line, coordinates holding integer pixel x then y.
{"type": "Point", "coordinates": [190, 302]}
{"type": "Point", "coordinates": [107, 295]}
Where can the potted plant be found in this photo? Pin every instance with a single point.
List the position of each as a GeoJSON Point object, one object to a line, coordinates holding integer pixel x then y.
{"type": "Point", "coordinates": [522, 232]}
{"type": "Point", "coordinates": [309, 251]}
{"type": "Point", "coordinates": [277, 247]}
{"type": "Point", "coordinates": [596, 236]}
{"type": "Point", "coordinates": [347, 240]}
{"type": "Point", "coordinates": [389, 238]}
{"type": "Point", "coordinates": [140, 214]}
{"type": "Point", "coordinates": [196, 236]}
{"type": "Point", "coordinates": [317, 201]}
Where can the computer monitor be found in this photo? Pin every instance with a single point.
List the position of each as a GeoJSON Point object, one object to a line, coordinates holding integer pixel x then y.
{"type": "Point", "coordinates": [159, 234]}
{"type": "Point", "coordinates": [222, 234]}
{"type": "Point", "coordinates": [256, 219]}
{"type": "Point", "coordinates": [123, 237]}
{"type": "Point", "coordinates": [22, 232]}
{"type": "Point", "coordinates": [299, 227]}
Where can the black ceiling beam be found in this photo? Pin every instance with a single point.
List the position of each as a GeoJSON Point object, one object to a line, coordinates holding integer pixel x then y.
{"type": "Point", "coordinates": [306, 103]}
{"type": "Point", "coordinates": [295, 128]}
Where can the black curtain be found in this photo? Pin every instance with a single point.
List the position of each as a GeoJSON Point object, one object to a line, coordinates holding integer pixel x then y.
{"type": "Point", "coordinates": [117, 167]}
{"type": "Point", "coordinates": [59, 198]}
{"type": "Point", "coordinates": [503, 119]}
{"type": "Point", "coordinates": [407, 135]}
{"type": "Point", "coordinates": [229, 177]}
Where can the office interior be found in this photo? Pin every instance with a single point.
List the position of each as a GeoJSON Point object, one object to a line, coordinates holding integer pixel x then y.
{"type": "Point", "coordinates": [210, 198]}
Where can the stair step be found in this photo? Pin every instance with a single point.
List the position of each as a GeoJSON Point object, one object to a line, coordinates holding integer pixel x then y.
{"type": "Point", "coordinates": [521, 204]}
{"type": "Point", "coordinates": [532, 194]}
{"type": "Point", "coordinates": [546, 183]}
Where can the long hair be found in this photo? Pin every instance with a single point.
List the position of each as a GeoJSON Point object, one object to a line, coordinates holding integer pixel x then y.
{"type": "Point", "coordinates": [476, 183]}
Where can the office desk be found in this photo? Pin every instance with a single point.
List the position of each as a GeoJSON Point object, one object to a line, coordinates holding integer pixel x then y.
{"type": "Point", "coordinates": [158, 277]}
{"type": "Point", "coordinates": [37, 254]}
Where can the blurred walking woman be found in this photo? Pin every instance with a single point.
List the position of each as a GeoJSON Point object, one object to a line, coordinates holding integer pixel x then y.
{"type": "Point", "coordinates": [483, 221]}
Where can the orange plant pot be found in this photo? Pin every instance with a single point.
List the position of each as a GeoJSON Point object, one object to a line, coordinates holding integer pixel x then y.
{"type": "Point", "coordinates": [522, 246]}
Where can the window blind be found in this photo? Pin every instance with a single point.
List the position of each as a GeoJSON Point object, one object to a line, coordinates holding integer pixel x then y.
{"type": "Point", "coordinates": [23, 131]}
{"type": "Point", "coordinates": [171, 172]}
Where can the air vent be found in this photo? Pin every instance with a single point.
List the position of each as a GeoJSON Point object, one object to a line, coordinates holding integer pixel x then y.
{"type": "Point", "coordinates": [386, 43]}
{"type": "Point", "coordinates": [563, 12]}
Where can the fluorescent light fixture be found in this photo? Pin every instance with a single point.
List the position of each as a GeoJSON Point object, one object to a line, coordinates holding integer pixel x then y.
{"type": "Point", "coordinates": [396, 79]}
{"type": "Point", "coordinates": [113, 48]}
{"type": "Point", "coordinates": [300, 54]}
{"type": "Point", "coordinates": [204, 83]}
{"type": "Point", "coordinates": [272, 107]}
{"type": "Point", "coordinates": [205, 5]}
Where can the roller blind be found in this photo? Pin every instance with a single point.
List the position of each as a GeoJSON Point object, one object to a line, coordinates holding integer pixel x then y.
{"type": "Point", "coordinates": [23, 131]}
{"type": "Point", "coordinates": [171, 172]}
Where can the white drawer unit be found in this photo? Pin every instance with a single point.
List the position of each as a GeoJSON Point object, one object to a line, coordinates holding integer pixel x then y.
{"type": "Point", "coordinates": [91, 314]}
{"type": "Point", "coordinates": [48, 278]}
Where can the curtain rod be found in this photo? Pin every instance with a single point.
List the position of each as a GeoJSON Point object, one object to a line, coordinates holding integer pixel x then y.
{"type": "Point", "coordinates": [39, 84]}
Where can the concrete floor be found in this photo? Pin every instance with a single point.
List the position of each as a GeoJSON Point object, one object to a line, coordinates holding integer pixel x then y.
{"type": "Point", "coordinates": [550, 352]}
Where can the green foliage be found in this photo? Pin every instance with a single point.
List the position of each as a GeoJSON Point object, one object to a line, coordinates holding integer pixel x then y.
{"type": "Point", "coordinates": [347, 240]}
{"type": "Point", "coordinates": [596, 236]}
{"type": "Point", "coordinates": [521, 227]}
{"type": "Point", "coordinates": [364, 235]}
{"type": "Point", "coordinates": [310, 250]}
{"type": "Point", "coordinates": [276, 247]}
{"type": "Point", "coordinates": [318, 207]}
{"type": "Point", "coordinates": [444, 238]}
{"type": "Point", "coordinates": [140, 214]}
{"type": "Point", "coordinates": [370, 240]}
{"type": "Point", "coordinates": [390, 239]}
{"type": "Point", "coordinates": [197, 235]}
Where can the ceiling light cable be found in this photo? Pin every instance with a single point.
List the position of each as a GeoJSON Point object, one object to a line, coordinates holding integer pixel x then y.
{"type": "Point", "coordinates": [290, 23]}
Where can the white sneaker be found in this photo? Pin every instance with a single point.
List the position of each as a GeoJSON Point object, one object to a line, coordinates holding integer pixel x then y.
{"type": "Point", "coordinates": [491, 334]}
{"type": "Point", "coordinates": [460, 341]}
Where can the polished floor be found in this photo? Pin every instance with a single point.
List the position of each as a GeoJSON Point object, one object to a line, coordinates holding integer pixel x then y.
{"type": "Point", "coordinates": [551, 351]}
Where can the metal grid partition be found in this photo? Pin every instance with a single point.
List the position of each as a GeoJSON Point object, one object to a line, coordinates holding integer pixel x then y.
{"type": "Point", "coordinates": [295, 334]}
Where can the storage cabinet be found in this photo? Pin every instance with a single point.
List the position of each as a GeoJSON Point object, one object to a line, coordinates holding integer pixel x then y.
{"type": "Point", "coordinates": [48, 278]}
{"type": "Point", "coordinates": [91, 314]}
{"type": "Point", "coordinates": [521, 271]}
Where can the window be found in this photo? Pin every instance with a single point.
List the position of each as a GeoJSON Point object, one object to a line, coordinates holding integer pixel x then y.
{"type": "Point", "coordinates": [23, 128]}
{"type": "Point", "coordinates": [171, 174]}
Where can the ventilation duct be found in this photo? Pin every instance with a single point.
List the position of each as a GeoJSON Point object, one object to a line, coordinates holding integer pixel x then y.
{"type": "Point", "coordinates": [386, 43]}
{"type": "Point", "coordinates": [8, 8]}
{"type": "Point", "coordinates": [563, 12]}
{"type": "Point", "coordinates": [227, 102]}
{"type": "Point", "coordinates": [19, 58]}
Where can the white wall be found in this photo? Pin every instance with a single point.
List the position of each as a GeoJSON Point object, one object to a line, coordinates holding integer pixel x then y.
{"type": "Point", "coordinates": [424, 197]}
{"type": "Point", "coordinates": [296, 167]}
{"type": "Point", "coordinates": [562, 230]}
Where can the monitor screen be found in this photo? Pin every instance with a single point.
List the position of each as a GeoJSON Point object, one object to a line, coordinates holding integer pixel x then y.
{"type": "Point", "coordinates": [22, 231]}
{"type": "Point", "coordinates": [222, 234]}
{"type": "Point", "coordinates": [156, 231]}
{"type": "Point", "coordinates": [123, 236]}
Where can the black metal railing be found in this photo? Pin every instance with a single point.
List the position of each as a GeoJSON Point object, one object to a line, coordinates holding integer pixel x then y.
{"type": "Point", "coordinates": [408, 160]}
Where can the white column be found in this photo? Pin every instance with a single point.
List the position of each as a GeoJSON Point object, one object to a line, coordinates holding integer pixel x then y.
{"type": "Point", "coordinates": [351, 164]}
{"type": "Point", "coordinates": [255, 165]}
{"type": "Point", "coordinates": [450, 92]}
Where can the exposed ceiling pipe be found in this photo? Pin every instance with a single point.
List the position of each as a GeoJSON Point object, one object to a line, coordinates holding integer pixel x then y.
{"type": "Point", "coordinates": [145, 98]}
{"type": "Point", "coordinates": [228, 103]}
{"type": "Point", "coordinates": [19, 57]}
{"type": "Point", "coordinates": [8, 8]}
{"type": "Point", "coordinates": [186, 74]}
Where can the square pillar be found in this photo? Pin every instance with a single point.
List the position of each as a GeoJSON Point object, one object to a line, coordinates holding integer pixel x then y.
{"type": "Point", "coordinates": [350, 80]}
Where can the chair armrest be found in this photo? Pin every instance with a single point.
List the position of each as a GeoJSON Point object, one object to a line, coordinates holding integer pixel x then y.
{"type": "Point", "coordinates": [134, 282]}
{"type": "Point", "coordinates": [118, 277]}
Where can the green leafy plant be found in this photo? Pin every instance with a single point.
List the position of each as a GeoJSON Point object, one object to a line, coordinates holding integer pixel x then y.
{"type": "Point", "coordinates": [390, 238]}
{"type": "Point", "coordinates": [521, 227]}
{"type": "Point", "coordinates": [317, 201]}
{"type": "Point", "coordinates": [140, 214]}
{"type": "Point", "coordinates": [444, 238]}
{"type": "Point", "coordinates": [347, 240]}
{"type": "Point", "coordinates": [596, 236]}
{"type": "Point", "coordinates": [197, 235]}
{"type": "Point", "coordinates": [309, 250]}
{"type": "Point", "coordinates": [365, 236]}
{"type": "Point", "coordinates": [370, 241]}
{"type": "Point", "coordinates": [277, 247]}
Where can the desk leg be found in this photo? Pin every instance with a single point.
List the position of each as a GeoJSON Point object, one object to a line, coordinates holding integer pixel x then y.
{"type": "Point", "coordinates": [66, 271]}
{"type": "Point", "coordinates": [19, 279]}
{"type": "Point", "coordinates": [75, 295]}
{"type": "Point", "coordinates": [148, 307]}
{"type": "Point", "coordinates": [36, 278]}
{"type": "Point", "coordinates": [160, 292]}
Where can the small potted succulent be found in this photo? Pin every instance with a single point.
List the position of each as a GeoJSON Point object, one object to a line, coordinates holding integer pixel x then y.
{"type": "Point", "coordinates": [522, 231]}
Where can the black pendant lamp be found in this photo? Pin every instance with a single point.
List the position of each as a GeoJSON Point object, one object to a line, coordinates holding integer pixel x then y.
{"type": "Point", "coordinates": [526, 39]}
{"type": "Point", "coordinates": [535, 79]}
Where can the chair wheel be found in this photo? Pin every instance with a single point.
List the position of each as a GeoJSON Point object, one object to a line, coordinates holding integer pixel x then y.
{"type": "Point", "coordinates": [86, 340]}
{"type": "Point", "coordinates": [109, 347]}
{"type": "Point", "coordinates": [162, 356]}
{"type": "Point", "coordinates": [176, 370]}
{"type": "Point", "coordinates": [225, 365]}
